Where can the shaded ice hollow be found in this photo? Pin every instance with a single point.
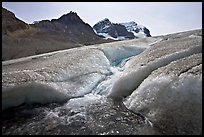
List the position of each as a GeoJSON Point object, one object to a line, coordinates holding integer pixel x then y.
{"type": "Point", "coordinates": [158, 77]}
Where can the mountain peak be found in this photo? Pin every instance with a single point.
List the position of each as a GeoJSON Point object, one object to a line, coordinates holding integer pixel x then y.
{"type": "Point", "coordinates": [72, 12]}
{"type": "Point", "coordinates": [127, 30]}
{"type": "Point", "coordinates": [70, 17]}
{"type": "Point", "coordinates": [105, 21]}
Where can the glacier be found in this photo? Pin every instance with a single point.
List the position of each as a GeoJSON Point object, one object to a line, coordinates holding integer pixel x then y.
{"type": "Point", "coordinates": [103, 87]}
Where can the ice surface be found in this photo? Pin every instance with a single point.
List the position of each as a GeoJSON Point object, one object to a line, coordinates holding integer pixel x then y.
{"type": "Point", "coordinates": [159, 78]}
{"type": "Point", "coordinates": [171, 103]}
{"type": "Point", "coordinates": [171, 97]}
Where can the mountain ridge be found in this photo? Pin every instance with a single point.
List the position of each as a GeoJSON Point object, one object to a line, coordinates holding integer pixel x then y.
{"type": "Point", "coordinates": [20, 39]}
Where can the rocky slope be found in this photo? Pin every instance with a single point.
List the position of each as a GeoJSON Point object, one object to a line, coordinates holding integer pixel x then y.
{"type": "Point", "coordinates": [71, 29]}
{"type": "Point", "coordinates": [10, 23]}
{"type": "Point", "coordinates": [150, 86]}
{"type": "Point", "coordinates": [120, 31]}
{"type": "Point", "coordinates": [20, 39]}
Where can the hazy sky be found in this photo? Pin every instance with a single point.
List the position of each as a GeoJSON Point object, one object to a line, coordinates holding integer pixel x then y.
{"type": "Point", "coordinates": [159, 17]}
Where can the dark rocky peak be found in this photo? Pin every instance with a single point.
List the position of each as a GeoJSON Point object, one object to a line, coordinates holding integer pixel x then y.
{"type": "Point", "coordinates": [69, 21]}
{"type": "Point", "coordinates": [104, 22]}
{"type": "Point", "coordinates": [119, 30]}
{"type": "Point", "coordinates": [69, 18]}
{"type": "Point", "coordinates": [102, 25]}
{"type": "Point", "coordinates": [147, 32]}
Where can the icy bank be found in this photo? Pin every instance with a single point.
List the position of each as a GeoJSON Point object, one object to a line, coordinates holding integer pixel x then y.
{"type": "Point", "coordinates": [171, 97]}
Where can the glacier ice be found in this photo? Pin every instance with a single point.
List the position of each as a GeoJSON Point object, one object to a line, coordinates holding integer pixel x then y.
{"type": "Point", "coordinates": [62, 75]}
{"type": "Point", "coordinates": [171, 97]}
{"type": "Point", "coordinates": [157, 77]}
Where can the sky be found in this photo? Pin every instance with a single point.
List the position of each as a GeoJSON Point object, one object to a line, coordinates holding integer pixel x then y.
{"type": "Point", "coordinates": [159, 17]}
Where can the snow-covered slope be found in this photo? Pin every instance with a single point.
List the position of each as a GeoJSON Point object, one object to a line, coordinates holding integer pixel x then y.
{"type": "Point", "coordinates": [120, 31]}
{"type": "Point", "coordinates": [139, 31]}
{"type": "Point", "coordinates": [158, 77]}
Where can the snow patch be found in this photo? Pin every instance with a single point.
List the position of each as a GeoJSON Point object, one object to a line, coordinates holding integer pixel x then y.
{"type": "Point", "coordinates": [107, 36]}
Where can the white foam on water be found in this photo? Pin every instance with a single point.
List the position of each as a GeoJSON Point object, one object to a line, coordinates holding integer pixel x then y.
{"type": "Point", "coordinates": [79, 104]}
